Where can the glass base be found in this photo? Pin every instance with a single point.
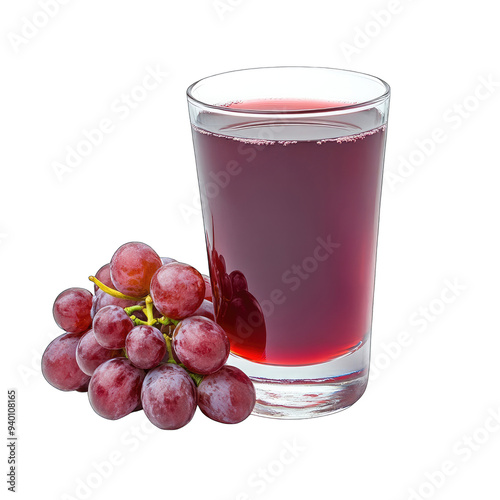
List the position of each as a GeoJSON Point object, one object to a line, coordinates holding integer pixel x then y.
{"type": "Point", "coordinates": [297, 392]}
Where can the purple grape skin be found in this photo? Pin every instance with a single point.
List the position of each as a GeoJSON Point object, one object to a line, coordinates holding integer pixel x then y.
{"type": "Point", "coordinates": [111, 326]}
{"type": "Point", "coordinates": [102, 299]}
{"type": "Point", "coordinates": [115, 388]}
{"type": "Point", "coordinates": [201, 345]}
{"type": "Point", "coordinates": [71, 310]}
{"type": "Point", "coordinates": [59, 366]}
{"type": "Point", "coordinates": [145, 346]}
{"type": "Point", "coordinates": [177, 290]}
{"type": "Point", "coordinates": [90, 354]}
{"type": "Point", "coordinates": [132, 267]}
{"type": "Point", "coordinates": [206, 309]}
{"type": "Point", "coordinates": [104, 276]}
{"type": "Point", "coordinates": [169, 397]}
{"type": "Point", "coordinates": [226, 396]}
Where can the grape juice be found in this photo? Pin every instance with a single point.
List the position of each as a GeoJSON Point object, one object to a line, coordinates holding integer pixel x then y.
{"type": "Point", "coordinates": [291, 210]}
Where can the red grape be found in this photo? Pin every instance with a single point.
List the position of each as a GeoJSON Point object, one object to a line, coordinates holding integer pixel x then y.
{"type": "Point", "coordinates": [115, 388]}
{"type": "Point", "coordinates": [59, 366]}
{"type": "Point", "coordinates": [169, 396]}
{"type": "Point", "coordinates": [177, 290]}
{"type": "Point", "coordinates": [111, 326]}
{"type": "Point", "coordinates": [104, 276]}
{"type": "Point", "coordinates": [145, 346]}
{"type": "Point", "coordinates": [206, 309]}
{"type": "Point", "coordinates": [90, 354]}
{"type": "Point", "coordinates": [201, 345]}
{"type": "Point", "coordinates": [226, 396]}
{"type": "Point", "coordinates": [132, 267]}
{"type": "Point", "coordinates": [208, 288]}
{"type": "Point", "coordinates": [72, 310]}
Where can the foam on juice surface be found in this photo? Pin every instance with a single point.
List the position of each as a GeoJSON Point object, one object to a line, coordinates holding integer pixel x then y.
{"type": "Point", "coordinates": [286, 122]}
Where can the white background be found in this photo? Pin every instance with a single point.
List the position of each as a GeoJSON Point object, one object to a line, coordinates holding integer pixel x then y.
{"type": "Point", "coordinates": [430, 403]}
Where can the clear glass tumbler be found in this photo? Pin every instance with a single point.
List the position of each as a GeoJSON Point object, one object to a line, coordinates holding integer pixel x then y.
{"type": "Point", "coordinates": [289, 163]}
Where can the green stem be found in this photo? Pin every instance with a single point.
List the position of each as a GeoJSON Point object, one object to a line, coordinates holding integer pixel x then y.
{"type": "Point", "coordinates": [132, 309]}
{"type": "Point", "coordinates": [138, 321]}
{"type": "Point", "coordinates": [195, 376]}
{"type": "Point", "coordinates": [149, 310]}
{"type": "Point", "coordinates": [169, 349]}
{"type": "Point", "coordinates": [167, 321]}
{"type": "Point", "coordinates": [111, 291]}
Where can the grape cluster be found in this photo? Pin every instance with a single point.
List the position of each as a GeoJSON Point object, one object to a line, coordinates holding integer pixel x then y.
{"type": "Point", "coordinates": [147, 340]}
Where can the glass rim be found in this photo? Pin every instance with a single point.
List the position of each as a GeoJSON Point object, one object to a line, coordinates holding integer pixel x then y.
{"type": "Point", "coordinates": [334, 109]}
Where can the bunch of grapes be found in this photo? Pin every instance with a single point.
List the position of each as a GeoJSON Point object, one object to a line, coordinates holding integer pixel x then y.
{"type": "Point", "coordinates": [147, 340]}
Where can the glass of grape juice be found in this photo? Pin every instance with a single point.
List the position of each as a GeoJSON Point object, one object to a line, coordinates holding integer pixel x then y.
{"type": "Point", "coordinates": [289, 163]}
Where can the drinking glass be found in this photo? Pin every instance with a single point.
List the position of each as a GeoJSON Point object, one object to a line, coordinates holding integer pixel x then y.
{"type": "Point", "coordinates": [289, 163]}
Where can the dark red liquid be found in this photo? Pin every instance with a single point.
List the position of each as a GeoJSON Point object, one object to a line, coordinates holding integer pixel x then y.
{"type": "Point", "coordinates": [291, 214]}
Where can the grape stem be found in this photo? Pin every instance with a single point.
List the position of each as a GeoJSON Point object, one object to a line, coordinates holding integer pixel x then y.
{"type": "Point", "coordinates": [197, 378]}
{"type": "Point", "coordinates": [148, 310]}
{"type": "Point", "coordinates": [132, 309]}
{"type": "Point", "coordinates": [169, 349]}
{"type": "Point", "coordinates": [167, 321]}
{"type": "Point", "coordinates": [138, 321]}
{"type": "Point", "coordinates": [113, 293]}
